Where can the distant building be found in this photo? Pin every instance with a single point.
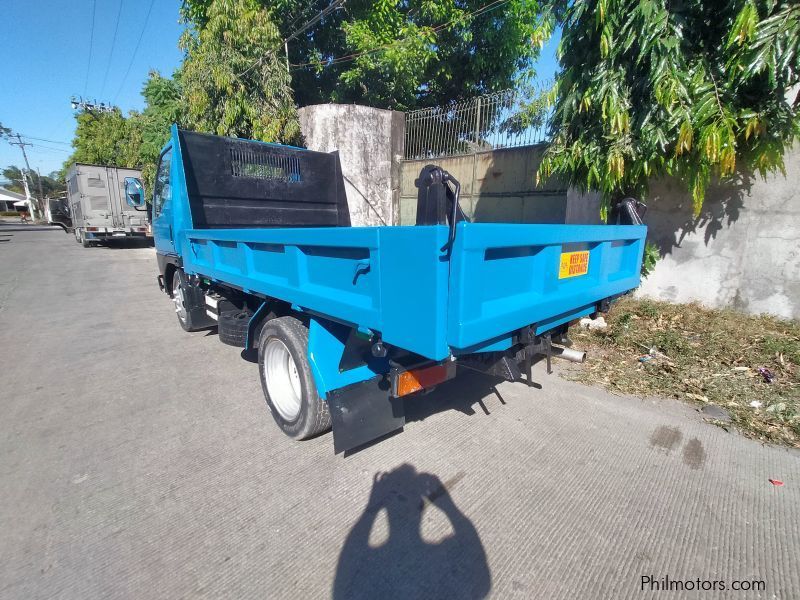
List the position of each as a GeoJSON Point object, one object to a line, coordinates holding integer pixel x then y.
{"type": "Point", "coordinates": [7, 199]}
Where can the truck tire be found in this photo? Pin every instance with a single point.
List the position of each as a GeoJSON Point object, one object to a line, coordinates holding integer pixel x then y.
{"type": "Point", "coordinates": [184, 314]}
{"type": "Point", "coordinates": [232, 327]}
{"type": "Point", "coordinates": [286, 379]}
{"type": "Point", "coordinates": [84, 242]}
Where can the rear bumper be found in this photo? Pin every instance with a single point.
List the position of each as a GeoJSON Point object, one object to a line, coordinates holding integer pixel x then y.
{"type": "Point", "coordinates": [111, 233]}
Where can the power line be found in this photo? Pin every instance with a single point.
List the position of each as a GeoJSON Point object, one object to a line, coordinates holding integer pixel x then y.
{"type": "Point", "coordinates": [50, 148]}
{"type": "Point", "coordinates": [111, 52]}
{"type": "Point", "coordinates": [63, 121]}
{"type": "Point", "coordinates": [91, 45]}
{"type": "Point", "coordinates": [325, 63]}
{"type": "Point", "coordinates": [300, 16]}
{"type": "Point", "coordinates": [135, 50]}
{"type": "Point", "coordinates": [315, 19]}
{"type": "Point", "coordinates": [311, 22]}
{"type": "Point", "coordinates": [30, 137]}
{"type": "Point", "coordinates": [22, 143]}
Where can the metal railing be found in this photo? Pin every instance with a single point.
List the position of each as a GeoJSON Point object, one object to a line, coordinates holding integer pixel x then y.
{"type": "Point", "coordinates": [500, 120]}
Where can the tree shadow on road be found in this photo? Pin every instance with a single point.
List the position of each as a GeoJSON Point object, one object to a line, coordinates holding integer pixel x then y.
{"type": "Point", "coordinates": [13, 227]}
{"type": "Point", "coordinates": [404, 564]}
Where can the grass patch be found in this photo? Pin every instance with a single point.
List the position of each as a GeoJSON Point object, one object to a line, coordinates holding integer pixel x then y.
{"type": "Point", "coordinates": [704, 356]}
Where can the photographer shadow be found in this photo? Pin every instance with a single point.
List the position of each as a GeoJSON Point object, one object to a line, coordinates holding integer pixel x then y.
{"type": "Point", "coordinates": [403, 564]}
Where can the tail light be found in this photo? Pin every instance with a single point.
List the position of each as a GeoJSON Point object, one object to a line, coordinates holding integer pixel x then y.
{"type": "Point", "coordinates": [415, 380]}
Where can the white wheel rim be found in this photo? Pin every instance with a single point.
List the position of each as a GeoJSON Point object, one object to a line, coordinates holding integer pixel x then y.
{"type": "Point", "coordinates": [177, 297]}
{"type": "Point", "coordinates": [282, 379]}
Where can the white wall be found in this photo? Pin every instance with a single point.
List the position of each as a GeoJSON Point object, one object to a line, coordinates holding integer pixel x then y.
{"type": "Point", "coordinates": [744, 250]}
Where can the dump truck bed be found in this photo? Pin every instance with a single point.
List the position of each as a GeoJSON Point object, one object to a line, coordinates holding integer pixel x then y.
{"type": "Point", "coordinates": [258, 238]}
{"type": "Point", "coordinates": [404, 282]}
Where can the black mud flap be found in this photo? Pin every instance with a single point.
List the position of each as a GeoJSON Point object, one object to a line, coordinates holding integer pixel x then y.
{"type": "Point", "coordinates": [363, 412]}
{"type": "Point", "coordinates": [194, 300]}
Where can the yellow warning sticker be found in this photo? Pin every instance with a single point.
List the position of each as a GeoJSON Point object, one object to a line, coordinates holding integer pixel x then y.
{"type": "Point", "coordinates": [573, 264]}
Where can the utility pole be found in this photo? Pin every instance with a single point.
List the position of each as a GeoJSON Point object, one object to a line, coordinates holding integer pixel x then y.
{"type": "Point", "coordinates": [34, 206]}
{"type": "Point", "coordinates": [27, 189]}
{"type": "Point", "coordinates": [43, 205]}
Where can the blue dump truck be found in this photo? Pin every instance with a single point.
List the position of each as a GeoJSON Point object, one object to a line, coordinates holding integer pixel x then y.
{"type": "Point", "coordinates": [256, 239]}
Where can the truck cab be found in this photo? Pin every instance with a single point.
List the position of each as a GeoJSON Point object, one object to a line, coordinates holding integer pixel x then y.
{"type": "Point", "coordinates": [162, 220]}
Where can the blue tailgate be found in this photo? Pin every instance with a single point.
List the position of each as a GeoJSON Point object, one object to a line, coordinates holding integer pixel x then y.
{"type": "Point", "coordinates": [506, 276]}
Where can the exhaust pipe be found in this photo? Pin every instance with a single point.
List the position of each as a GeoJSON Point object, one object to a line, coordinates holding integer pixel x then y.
{"type": "Point", "coordinates": [569, 354]}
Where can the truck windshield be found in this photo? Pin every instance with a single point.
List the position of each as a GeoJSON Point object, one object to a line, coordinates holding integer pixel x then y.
{"type": "Point", "coordinates": [161, 191]}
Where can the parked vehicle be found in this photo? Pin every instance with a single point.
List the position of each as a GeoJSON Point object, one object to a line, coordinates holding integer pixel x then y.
{"type": "Point", "coordinates": [98, 207]}
{"type": "Point", "coordinates": [348, 320]}
{"type": "Point", "coordinates": [57, 212]}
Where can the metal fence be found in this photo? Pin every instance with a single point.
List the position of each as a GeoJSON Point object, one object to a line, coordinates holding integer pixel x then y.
{"type": "Point", "coordinates": [500, 120]}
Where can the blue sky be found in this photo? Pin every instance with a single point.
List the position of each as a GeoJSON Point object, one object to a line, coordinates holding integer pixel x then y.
{"type": "Point", "coordinates": [547, 65]}
{"type": "Point", "coordinates": [44, 53]}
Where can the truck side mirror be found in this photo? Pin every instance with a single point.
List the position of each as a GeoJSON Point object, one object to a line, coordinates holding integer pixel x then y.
{"type": "Point", "coordinates": [134, 192]}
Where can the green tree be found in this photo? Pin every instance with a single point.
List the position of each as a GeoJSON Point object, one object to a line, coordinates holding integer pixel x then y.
{"type": "Point", "coordinates": [105, 138]}
{"type": "Point", "coordinates": [52, 184]}
{"type": "Point", "coordinates": [402, 55]}
{"type": "Point", "coordinates": [164, 105]}
{"type": "Point", "coordinates": [697, 90]}
{"type": "Point", "coordinates": [133, 141]}
{"type": "Point", "coordinates": [234, 79]}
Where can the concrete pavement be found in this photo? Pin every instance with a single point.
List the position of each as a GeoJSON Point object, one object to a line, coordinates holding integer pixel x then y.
{"type": "Point", "coordinates": [139, 461]}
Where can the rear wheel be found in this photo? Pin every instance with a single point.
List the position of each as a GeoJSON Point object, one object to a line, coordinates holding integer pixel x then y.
{"type": "Point", "coordinates": [84, 242]}
{"type": "Point", "coordinates": [286, 379]}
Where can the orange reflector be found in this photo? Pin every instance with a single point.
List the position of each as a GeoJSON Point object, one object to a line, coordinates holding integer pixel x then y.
{"type": "Point", "coordinates": [409, 382]}
{"type": "Point", "coordinates": [92, 228]}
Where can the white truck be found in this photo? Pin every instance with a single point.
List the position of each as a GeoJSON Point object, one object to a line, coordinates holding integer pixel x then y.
{"type": "Point", "coordinates": [96, 196]}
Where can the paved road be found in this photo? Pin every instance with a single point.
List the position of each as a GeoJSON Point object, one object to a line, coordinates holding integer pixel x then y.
{"type": "Point", "coordinates": [138, 461]}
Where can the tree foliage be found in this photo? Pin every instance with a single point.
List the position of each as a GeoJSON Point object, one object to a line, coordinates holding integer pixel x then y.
{"type": "Point", "coordinates": [105, 138]}
{"type": "Point", "coordinates": [52, 184]}
{"type": "Point", "coordinates": [164, 105]}
{"type": "Point", "coordinates": [132, 141]}
{"type": "Point", "coordinates": [234, 79]}
{"type": "Point", "coordinates": [695, 89]}
{"type": "Point", "coordinates": [402, 55]}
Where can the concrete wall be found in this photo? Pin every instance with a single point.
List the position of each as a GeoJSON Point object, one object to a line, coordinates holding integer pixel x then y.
{"type": "Point", "coordinates": [583, 209]}
{"type": "Point", "coordinates": [497, 186]}
{"type": "Point", "coordinates": [744, 250]}
{"type": "Point", "coordinates": [370, 145]}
